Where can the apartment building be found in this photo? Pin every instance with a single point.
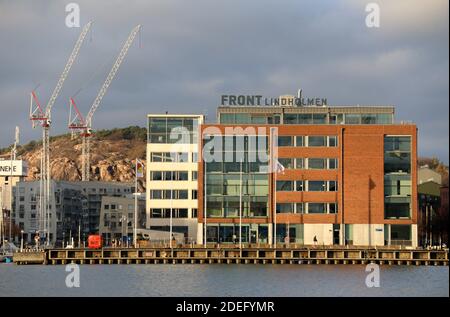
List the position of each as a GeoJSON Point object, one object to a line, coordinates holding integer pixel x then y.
{"type": "Point", "coordinates": [117, 217]}
{"type": "Point", "coordinates": [74, 208]}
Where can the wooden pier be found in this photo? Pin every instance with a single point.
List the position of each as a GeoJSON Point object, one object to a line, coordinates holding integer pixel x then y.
{"type": "Point", "coordinates": [233, 255]}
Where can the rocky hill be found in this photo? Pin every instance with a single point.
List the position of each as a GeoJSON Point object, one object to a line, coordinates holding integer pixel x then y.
{"type": "Point", "coordinates": [113, 154]}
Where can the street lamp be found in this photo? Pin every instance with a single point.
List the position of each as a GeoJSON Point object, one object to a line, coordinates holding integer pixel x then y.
{"type": "Point", "coordinates": [21, 241]}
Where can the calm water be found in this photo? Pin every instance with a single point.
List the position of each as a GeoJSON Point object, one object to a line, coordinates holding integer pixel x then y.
{"type": "Point", "coordinates": [223, 280]}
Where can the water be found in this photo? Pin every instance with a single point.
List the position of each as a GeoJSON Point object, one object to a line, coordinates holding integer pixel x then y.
{"type": "Point", "coordinates": [223, 280]}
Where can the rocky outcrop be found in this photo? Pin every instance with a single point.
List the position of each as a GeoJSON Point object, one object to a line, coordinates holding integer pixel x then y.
{"type": "Point", "coordinates": [109, 160]}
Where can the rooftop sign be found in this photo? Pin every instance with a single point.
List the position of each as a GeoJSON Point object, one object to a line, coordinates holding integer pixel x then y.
{"type": "Point", "coordinates": [259, 100]}
{"type": "Point", "coordinates": [13, 168]}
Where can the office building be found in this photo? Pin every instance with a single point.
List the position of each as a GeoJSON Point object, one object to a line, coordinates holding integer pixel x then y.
{"type": "Point", "coordinates": [171, 168]}
{"type": "Point", "coordinates": [348, 176]}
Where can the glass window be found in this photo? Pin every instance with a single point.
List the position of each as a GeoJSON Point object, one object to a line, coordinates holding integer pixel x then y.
{"type": "Point", "coordinates": [285, 141]}
{"type": "Point", "coordinates": [156, 176]}
{"type": "Point", "coordinates": [348, 234]}
{"type": "Point", "coordinates": [299, 140]}
{"type": "Point", "coordinates": [401, 232]}
{"type": "Point", "coordinates": [319, 118]}
{"type": "Point", "coordinates": [316, 186]}
{"type": "Point", "coordinates": [156, 157]}
{"type": "Point", "coordinates": [182, 176]}
{"type": "Point", "coordinates": [182, 194]}
{"type": "Point", "coordinates": [397, 143]}
{"type": "Point", "coordinates": [397, 207]}
{"type": "Point", "coordinates": [332, 186]}
{"type": "Point", "coordinates": [242, 118]}
{"type": "Point", "coordinates": [333, 208]}
{"type": "Point", "coordinates": [332, 141]}
{"type": "Point", "coordinates": [305, 118]}
{"type": "Point", "coordinates": [168, 176]}
{"type": "Point", "coordinates": [183, 157]}
{"type": "Point", "coordinates": [194, 175]}
{"type": "Point", "coordinates": [368, 118]}
{"type": "Point", "coordinates": [290, 118]}
{"type": "Point", "coordinates": [333, 119]}
{"type": "Point", "coordinates": [154, 194]}
{"type": "Point", "coordinates": [261, 119]}
{"type": "Point", "coordinates": [194, 157]}
{"type": "Point", "coordinates": [286, 162]}
{"type": "Point", "coordinates": [384, 118]}
{"type": "Point", "coordinates": [332, 163]}
{"type": "Point", "coordinates": [316, 163]}
{"type": "Point", "coordinates": [352, 118]}
{"type": "Point", "coordinates": [299, 163]}
{"type": "Point", "coordinates": [299, 186]}
{"type": "Point", "coordinates": [397, 185]}
{"type": "Point", "coordinates": [259, 209]}
{"type": "Point", "coordinates": [285, 208]}
{"type": "Point", "coordinates": [299, 208]}
{"type": "Point", "coordinates": [227, 118]}
{"type": "Point", "coordinates": [214, 208]}
{"type": "Point", "coordinates": [317, 208]}
{"type": "Point", "coordinates": [157, 125]}
{"type": "Point", "coordinates": [397, 162]}
{"type": "Point", "coordinates": [317, 141]}
{"type": "Point", "coordinates": [285, 185]}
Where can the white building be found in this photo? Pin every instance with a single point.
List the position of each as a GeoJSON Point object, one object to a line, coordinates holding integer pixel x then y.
{"type": "Point", "coordinates": [11, 172]}
{"type": "Point", "coordinates": [172, 164]}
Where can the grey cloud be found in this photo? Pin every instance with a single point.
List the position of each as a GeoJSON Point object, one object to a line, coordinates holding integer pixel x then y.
{"type": "Point", "coordinates": [193, 51]}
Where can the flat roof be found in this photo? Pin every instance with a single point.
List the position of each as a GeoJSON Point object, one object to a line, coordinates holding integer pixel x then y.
{"type": "Point", "coordinates": [307, 109]}
{"type": "Point", "coordinates": [176, 115]}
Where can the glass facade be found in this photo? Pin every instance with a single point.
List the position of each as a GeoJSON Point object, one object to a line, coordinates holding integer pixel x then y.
{"type": "Point", "coordinates": [230, 233]}
{"type": "Point", "coordinates": [397, 177]}
{"type": "Point", "coordinates": [290, 233]}
{"type": "Point", "coordinates": [224, 182]}
{"type": "Point", "coordinates": [172, 130]}
{"type": "Point", "coordinates": [305, 118]}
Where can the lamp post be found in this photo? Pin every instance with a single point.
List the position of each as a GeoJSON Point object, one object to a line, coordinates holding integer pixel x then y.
{"type": "Point", "coordinates": [21, 241]}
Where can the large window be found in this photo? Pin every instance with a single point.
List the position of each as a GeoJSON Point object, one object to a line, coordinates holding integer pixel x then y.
{"type": "Point", "coordinates": [317, 186]}
{"type": "Point", "coordinates": [397, 179]}
{"type": "Point", "coordinates": [285, 186]}
{"type": "Point", "coordinates": [317, 140]}
{"type": "Point", "coordinates": [172, 130]}
{"type": "Point", "coordinates": [400, 233]}
{"type": "Point", "coordinates": [224, 182]}
{"type": "Point", "coordinates": [285, 208]}
{"type": "Point", "coordinates": [317, 208]}
{"type": "Point", "coordinates": [317, 163]}
{"type": "Point", "coordinates": [288, 163]}
{"type": "Point", "coordinates": [285, 141]}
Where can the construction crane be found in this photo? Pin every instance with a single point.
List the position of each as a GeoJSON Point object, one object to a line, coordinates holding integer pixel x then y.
{"type": "Point", "coordinates": [83, 125]}
{"type": "Point", "coordinates": [42, 117]}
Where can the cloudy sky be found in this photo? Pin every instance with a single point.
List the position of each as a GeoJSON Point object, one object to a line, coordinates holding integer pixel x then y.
{"type": "Point", "coordinates": [191, 52]}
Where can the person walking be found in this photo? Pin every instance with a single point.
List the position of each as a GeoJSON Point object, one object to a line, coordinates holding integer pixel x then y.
{"type": "Point", "coordinates": [315, 240]}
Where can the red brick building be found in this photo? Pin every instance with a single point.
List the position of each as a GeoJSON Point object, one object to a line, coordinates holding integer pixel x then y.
{"type": "Point", "coordinates": [349, 177]}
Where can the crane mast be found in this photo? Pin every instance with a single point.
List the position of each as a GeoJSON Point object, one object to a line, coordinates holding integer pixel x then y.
{"type": "Point", "coordinates": [37, 114]}
{"type": "Point", "coordinates": [85, 124]}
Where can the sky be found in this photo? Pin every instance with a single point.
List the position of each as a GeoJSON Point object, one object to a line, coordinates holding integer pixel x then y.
{"type": "Point", "coordinates": [189, 53]}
